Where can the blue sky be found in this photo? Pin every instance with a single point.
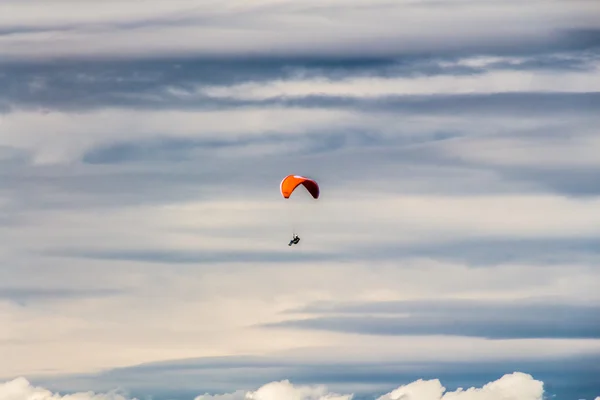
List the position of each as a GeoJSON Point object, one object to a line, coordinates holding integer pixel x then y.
{"type": "Point", "coordinates": [455, 243]}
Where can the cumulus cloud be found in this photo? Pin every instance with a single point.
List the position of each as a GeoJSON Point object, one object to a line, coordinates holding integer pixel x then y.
{"type": "Point", "coordinates": [510, 386]}
{"type": "Point", "coordinates": [237, 395]}
{"type": "Point", "coordinates": [515, 386]}
{"type": "Point", "coordinates": [286, 390]}
{"type": "Point", "coordinates": [21, 389]}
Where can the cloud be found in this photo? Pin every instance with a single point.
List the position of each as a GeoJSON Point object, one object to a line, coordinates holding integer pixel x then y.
{"type": "Point", "coordinates": [517, 386]}
{"type": "Point", "coordinates": [514, 386]}
{"type": "Point", "coordinates": [518, 152]}
{"type": "Point", "coordinates": [199, 309]}
{"type": "Point", "coordinates": [205, 231]}
{"type": "Point", "coordinates": [142, 144]}
{"type": "Point", "coordinates": [366, 378]}
{"type": "Point", "coordinates": [496, 320]}
{"type": "Point", "coordinates": [104, 128]}
{"type": "Point", "coordinates": [284, 28]}
{"type": "Point", "coordinates": [174, 257]}
{"type": "Point", "coordinates": [24, 295]}
{"type": "Point", "coordinates": [490, 252]}
{"type": "Point", "coordinates": [492, 82]}
{"type": "Point", "coordinates": [284, 389]}
{"type": "Point", "coordinates": [237, 395]}
{"type": "Point", "coordinates": [527, 308]}
{"type": "Point", "coordinates": [198, 84]}
{"type": "Point", "coordinates": [21, 389]}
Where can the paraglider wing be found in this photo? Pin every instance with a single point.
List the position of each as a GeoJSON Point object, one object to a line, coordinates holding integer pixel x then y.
{"type": "Point", "coordinates": [291, 182]}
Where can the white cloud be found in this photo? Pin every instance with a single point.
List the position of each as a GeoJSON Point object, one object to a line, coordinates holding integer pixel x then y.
{"type": "Point", "coordinates": [286, 390]}
{"type": "Point", "coordinates": [515, 386]}
{"type": "Point", "coordinates": [237, 395]}
{"type": "Point", "coordinates": [21, 389]}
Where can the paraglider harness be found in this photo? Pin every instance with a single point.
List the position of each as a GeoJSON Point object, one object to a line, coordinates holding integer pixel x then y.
{"type": "Point", "coordinates": [294, 240]}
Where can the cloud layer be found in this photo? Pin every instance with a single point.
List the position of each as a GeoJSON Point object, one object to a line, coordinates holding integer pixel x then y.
{"type": "Point", "coordinates": [517, 386]}
{"type": "Point", "coordinates": [283, 28]}
{"type": "Point", "coordinates": [141, 149]}
{"type": "Point", "coordinates": [492, 320]}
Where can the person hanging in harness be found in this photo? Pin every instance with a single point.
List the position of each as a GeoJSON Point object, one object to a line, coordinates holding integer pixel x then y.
{"type": "Point", "coordinates": [294, 240]}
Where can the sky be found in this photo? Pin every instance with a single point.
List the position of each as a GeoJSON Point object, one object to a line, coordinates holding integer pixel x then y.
{"type": "Point", "coordinates": [453, 252]}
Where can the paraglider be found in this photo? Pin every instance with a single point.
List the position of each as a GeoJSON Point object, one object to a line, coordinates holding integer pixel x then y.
{"type": "Point", "coordinates": [289, 184]}
{"type": "Point", "coordinates": [295, 240]}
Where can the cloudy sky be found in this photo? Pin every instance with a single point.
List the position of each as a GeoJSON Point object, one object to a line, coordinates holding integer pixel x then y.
{"type": "Point", "coordinates": [144, 240]}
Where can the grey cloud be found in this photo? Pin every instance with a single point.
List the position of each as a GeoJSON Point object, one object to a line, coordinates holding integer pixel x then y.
{"type": "Point", "coordinates": [540, 177]}
{"type": "Point", "coordinates": [172, 149]}
{"type": "Point", "coordinates": [159, 171]}
{"type": "Point", "coordinates": [147, 94]}
{"type": "Point", "coordinates": [63, 188]}
{"type": "Point", "coordinates": [476, 253]}
{"type": "Point", "coordinates": [521, 308]}
{"type": "Point", "coordinates": [26, 295]}
{"type": "Point", "coordinates": [488, 252]}
{"type": "Point", "coordinates": [267, 22]}
{"type": "Point", "coordinates": [78, 85]}
{"type": "Point", "coordinates": [514, 320]}
{"type": "Point", "coordinates": [572, 181]}
{"type": "Point", "coordinates": [16, 30]}
{"type": "Point", "coordinates": [336, 153]}
{"type": "Point", "coordinates": [128, 173]}
{"type": "Point", "coordinates": [515, 104]}
{"type": "Point", "coordinates": [311, 142]}
{"type": "Point", "coordinates": [175, 19]}
{"type": "Point", "coordinates": [489, 329]}
{"type": "Point", "coordinates": [192, 257]}
{"type": "Point", "coordinates": [83, 85]}
{"type": "Point", "coordinates": [167, 169]}
{"type": "Point", "coordinates": [568, 180]}
{"type": "Point", "coordinates": [582, 38]}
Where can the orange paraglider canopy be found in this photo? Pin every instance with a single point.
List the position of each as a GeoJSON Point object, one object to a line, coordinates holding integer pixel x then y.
{"type": "Point", "coordinates": [291, 182]}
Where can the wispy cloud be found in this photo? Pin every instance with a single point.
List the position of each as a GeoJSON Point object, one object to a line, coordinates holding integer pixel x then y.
{"type": "Point", "coordinates": [24, 295]}
{"type": "Point", "coordinates": [284, 28]}
{"type": "Point", "coordinates": [496, 320]}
